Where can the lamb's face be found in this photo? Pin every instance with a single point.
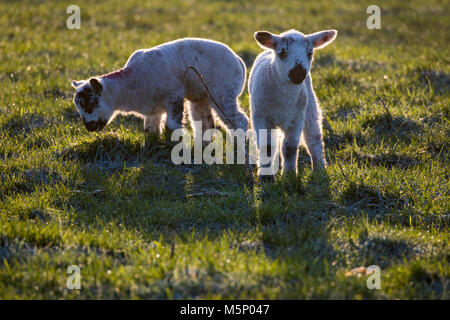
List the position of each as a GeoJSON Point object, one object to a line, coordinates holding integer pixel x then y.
{"type": "Point", "coordinates": [294, 51]}
{"type": "Point", "coordinates": [293, 55]}
{"type": "Point", "coordinates": [90, 104]}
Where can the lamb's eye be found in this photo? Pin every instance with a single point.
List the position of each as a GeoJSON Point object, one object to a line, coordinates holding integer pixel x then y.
{"type": "Point", "coordinates": [87, 100]}
{"type": "Point", "coordinates": [282, 54]}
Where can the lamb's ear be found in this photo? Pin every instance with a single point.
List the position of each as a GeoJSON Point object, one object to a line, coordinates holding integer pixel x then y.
{"type": "Point", "coordinates": [322, 38]}
{"type": "Point", "coordinates": [96, 85]}
{"type": "Point", "coordinates": [76, 84]}
{"type": "Point", "coordinates": [266, 39]}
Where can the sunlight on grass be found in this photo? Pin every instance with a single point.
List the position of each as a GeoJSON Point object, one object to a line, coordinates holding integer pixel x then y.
{"type": "Point", "coordinates": [139, 226]}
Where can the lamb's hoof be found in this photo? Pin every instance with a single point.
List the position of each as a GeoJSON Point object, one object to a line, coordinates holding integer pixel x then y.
{"type": "Point", "coordinates": [267, 178]}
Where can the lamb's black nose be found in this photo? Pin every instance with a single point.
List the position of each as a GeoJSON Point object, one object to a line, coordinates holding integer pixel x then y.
{"type": "Point", "coordinates": [297, 74]}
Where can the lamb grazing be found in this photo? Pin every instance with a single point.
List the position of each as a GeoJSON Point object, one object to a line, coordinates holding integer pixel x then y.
{"type": "Point", "coordinates": [156, 81]}
{"type": "Point", "coordinates": [281, 96]}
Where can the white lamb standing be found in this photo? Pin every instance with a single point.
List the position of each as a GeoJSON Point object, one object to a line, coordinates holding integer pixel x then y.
{"type": "Point", "coordinates": [282, 97]}
{"type": "Point", "coordinates": [156, 81]}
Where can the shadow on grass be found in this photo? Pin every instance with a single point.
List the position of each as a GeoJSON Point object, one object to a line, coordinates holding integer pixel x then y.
{"type": "Point", "coordinates": [386, 250]}
{"type": "Point", "coordinates": [70, 114]}
{"type": "Point", "coordinates": [439, 81]}
{"type": "Point", "coordinates": [139, 178]}
{"type": "Point", "coordinates": [380, 206]}
{"type": "Point", "coordinates": [393, 127]}
{"type": "Point", "coordinates": [343, 113]}
{"type": "Point", "coordinates": [336, 142]}
{"type": "Point", "coordinates": [362, 196]}
{"type": "Point", "coordinates": [387, 160]}
{"type": "Point", "coordinates": [21, 181]}
{"type": "Point", "coordinates": [295, 217]}
{"type": "Point", "coordinates": [18, 124]}
{"type": "Point", "coordinates": [158, 199]}
{"type": "Point", "coordinates": [116, 152]}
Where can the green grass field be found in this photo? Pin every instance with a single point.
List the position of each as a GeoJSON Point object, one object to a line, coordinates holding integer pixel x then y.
{"type": "Point", "coordinates": [138, 226]}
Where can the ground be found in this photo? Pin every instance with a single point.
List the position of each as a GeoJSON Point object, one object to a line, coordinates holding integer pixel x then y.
{"type": "Point", "coordinates": [138, 226]}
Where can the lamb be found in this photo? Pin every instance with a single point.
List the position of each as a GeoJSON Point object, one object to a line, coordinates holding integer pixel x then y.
{"type": "Point", "coordinates": [282, 96]}
{"type": "Point", "coordinates": [156, 81]}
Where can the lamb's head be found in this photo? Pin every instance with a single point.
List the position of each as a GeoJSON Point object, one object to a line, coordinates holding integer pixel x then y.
{"type": "Point", "coordinates": [91, 105]}
{"type": "Point", "coordinates": [293, 51]}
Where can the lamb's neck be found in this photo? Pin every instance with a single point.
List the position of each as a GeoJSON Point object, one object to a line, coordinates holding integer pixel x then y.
{"type": "Point", "coordinates": [118, 85]}
{"type": "Point", "coordinates": [284, 87]}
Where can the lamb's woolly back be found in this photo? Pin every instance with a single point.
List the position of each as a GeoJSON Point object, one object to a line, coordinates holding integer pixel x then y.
{"type": "Point", "coordinates": [153, 82]}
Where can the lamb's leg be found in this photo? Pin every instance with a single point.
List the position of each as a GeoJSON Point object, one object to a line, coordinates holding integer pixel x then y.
{"type": "Point", "coordinates": [152, 122]}
{"type": "Point", "coordinates": [234, 115]}
{"type": "Point", "coordinates": [312, 133]}
{"type": "Point", "coordinates": [289, 148]}
{"type": "Point", "coordinates": [267, 149]}
{"type": "Point", "coordinates": [174, 110]}
{"type": "Point", "coordinates": [200, 111]}
{"type": "Point", "coordinates": [313, 137]}
{"type": "Point", "coordinates": [236, 119]}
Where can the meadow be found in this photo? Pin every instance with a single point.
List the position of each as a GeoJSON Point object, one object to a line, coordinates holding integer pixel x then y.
{"type": "Point", "coordinates": [140, 227]}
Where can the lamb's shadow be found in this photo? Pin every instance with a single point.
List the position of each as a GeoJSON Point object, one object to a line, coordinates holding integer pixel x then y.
{"type": "Point", "coordinates": [149, 194]}
{"type": "Point", "coordinates": [116, 152]}
{"type": "Point", "coordinates": [294, 217]}
{"type": "Point", "coordinates": [153, 180]}
{"type": "Point", "coordinates": [191, 187]}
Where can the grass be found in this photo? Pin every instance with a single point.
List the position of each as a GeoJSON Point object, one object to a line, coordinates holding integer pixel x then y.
{"type": "Point", "coordinates": [137, 226]}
